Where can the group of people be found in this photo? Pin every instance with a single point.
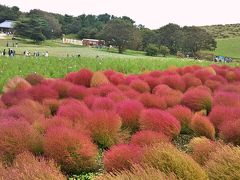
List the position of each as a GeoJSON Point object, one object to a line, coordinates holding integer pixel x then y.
{"type": "Point", "coordinates": [35, 54]}
{"type": "Point", "coordinates": [10, 52]}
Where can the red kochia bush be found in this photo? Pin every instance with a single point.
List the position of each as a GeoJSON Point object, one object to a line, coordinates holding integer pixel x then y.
{"type": "Point", "coordinates": [71, 149]}
{"type": "Point", "coordinates": [226, 99]}
{"type": "Point", "coordinates": [76, 111]}
{"type": "Point", "coordinates": [117, 96]}
{"type": "Point", "coordinates": [140, 86]}
{"type": "Point", "coordinates": [174, 81]}
{"type": "Point", "coordinates": [82, 77]}
{"type": "Point", "coordinates": [14, 138]}
{"type": "Point", "coordinates": [121, 157]}
{"type": "Point", "coordinates": [197, 99]}
{"type": "Point", "coordinates": [27, 109]}
{"type": "Point", "coordinates": [78, 92]}
{"type": "Point", "coordinates": [34, 78]}
{"type": "Point", "coordinates": [191, 81]}
{"type": "Point", "coordinates": [202, 126]}
{"type": "Point", "coordinates": [212, 84]}
{"type": "Point", "coordinates": [62, 87]}
{"type": "Point", "coordinates": [103, 103]}
{"type": "Point", "coordinates": [153, 101]}
{"type": "Point", "coordinates": [117, 78]}
{"type": "Point", "coordinates": [204, 74]}
{"type": "Point", "coordinates": [104, 127]}
{"type": "Point", "coordinates": [183, 115]}
{"type": "Point", "coordinates": [145, 138]}
{"type": "Point", "coordinates": [235, 88]}
{"type": "Point", "coordinates": [220, 114]}
{"type": "Point", "coordinates": [230, 131]}
{"type": "Point", "coordinates": [14, 97]}
{"type": "Point", "coordinates": [160, 121]}
{"type": "Point", "coordinates": [152, 81]}
{"type": "Point", "coordinates": [40, 92]}
{"type": "Point", "coordinates": [130, 110]}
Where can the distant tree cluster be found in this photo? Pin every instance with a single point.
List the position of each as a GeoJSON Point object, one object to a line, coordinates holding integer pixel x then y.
{"type": "Point", "coordinates": [7, 13]}
{"type": "Point", "coordinates": [121, 32]}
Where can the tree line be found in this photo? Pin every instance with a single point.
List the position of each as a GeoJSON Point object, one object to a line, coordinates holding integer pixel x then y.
{"type": "Point", "coordinates": [121, 32]}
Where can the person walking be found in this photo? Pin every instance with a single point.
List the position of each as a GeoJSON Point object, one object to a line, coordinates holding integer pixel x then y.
{"type": "Point", "coordinates": [4, 52]}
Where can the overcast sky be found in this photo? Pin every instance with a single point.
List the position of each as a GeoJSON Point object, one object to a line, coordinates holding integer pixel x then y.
{"type": "Point", "coordinates": [151, 13]}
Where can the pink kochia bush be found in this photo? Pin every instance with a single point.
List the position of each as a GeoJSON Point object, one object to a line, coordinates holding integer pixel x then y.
{"type": "Point", "coordinates": [73, 150]}
{"type": "Point", "coordinates": [230, 131]}
{"type": "Point", "coordinates": [153, 101]}
{"type": "Point", "coordinates": [130, 110]}
{"type": "Point", "coordinates": [174, 81]}
{"type": "Point", "coordinates": [104, 127]}
{"type": "Point", "coordinates": [121, 157]}
{"type": "Point", "coordinates": [74, 110]}
{"type": "Point", "coordinates": [197, 99]}
{"type": "Point", "coordinates": [103, 103]}
{"type": "Point", "coordinates": [221, 114]}
{"type": "Point", "coordinates": [159, 121]}
{"type": "Point", "coordinates": [40, 92]}
{"type": "Point", "coordinates": [145, 138]}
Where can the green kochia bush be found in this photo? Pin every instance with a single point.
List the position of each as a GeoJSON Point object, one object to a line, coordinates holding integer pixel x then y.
{"type": "Point", "coordinates": [168, 159]}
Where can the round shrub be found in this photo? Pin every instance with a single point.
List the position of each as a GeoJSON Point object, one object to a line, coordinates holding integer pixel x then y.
{"type": "Point", "coordinates": [121, 157]}
{"type": "Point", "coordinates": [197, 99]}
{"type": "Point", "coordinates": [82, 77]}
{"type": "Point", "coordinates": [140, 86]}
{"type": "Point", "coordinates": [103, 103]}
{"type": "Point", "coordinates": [152, 101]}
{"type": "Point", "coordinates": [78, 92]}
{"type": "Point", "coordinates": [14, 139]}
{"type": "Point", "coordinates": [168, 159]}
{"type": "Point", "coordinates": [201, 149]}
{"type": "Point", "coordinates": [17, 83]}
{"type": "Point", "coordinates": [99, 79]}
{"type": "Point", "coordinates": [220, 114]}
{"type": "Point", "coordinates": [160, 121]}
{"type": "Point", "coordinates": [138, 172]}
{"type": "Point", "coordinates": [40, 92]}
{"type": "Point", "coordinates": [224, 163]}
{"type": "Point", "coordinates": [62, 87]}
{"type": "Point", "coordinates": [26, 166]}
{"type": "Point", "coordinates": [202, 126]}
{"type": "Point", "coordinates": [174, 81]}
{"type": "Point", "coordinates": [229, 131]}
{"type": "Point", "coordinates": [183, 115]}
{"type": "Point", "coordinates": [129, 110]}
{"type": "Point", "coordinates": [226, 99]}
{"type": "Point", "coordinates": [76, 111]}
{"type": "Point", "coordinates": [34, 78]}
{"type": "Point", "coordinates": [14, 97]}
{"type": "Point", "coordinates": [71, 149]}
{"type": "Point", "coordinates": [145, 138]}
{"type": "Point", "coordinates": [191, 81]}
{"type": "Point", "coordinates": [104, 127]}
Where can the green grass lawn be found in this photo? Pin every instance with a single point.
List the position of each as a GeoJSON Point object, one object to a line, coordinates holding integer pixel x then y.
{"type": "Point", "coordinates": [228, 47]}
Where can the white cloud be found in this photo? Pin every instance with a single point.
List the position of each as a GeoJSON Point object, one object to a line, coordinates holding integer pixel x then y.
{"type": "Point", "coordinates": [151, 13]}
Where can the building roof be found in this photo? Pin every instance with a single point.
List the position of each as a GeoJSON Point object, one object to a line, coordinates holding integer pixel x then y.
{"type": "Point", "coordinates": [7, 24]}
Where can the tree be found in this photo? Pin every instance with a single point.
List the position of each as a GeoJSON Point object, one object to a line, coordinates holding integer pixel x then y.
{"type": "Point", "coordinates": [119, 33]}
{"type": "Point", "coordinates": [32, 28]}
{"type": "Point", "coordinates": [167, 36]}
{"type": "Point", "coordinates": [164, 50]}
{"type": "Point", "coordinates": [152, 50]}
{"type": "Point", "coordinates": [196, 39]}
{"type": "Point", "coordinates": [7, 13]}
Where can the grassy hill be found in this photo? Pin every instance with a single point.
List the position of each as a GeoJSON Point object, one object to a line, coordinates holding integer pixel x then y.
{"type": "Point", "coordinates": [223, 31]}
{"type": "Point", "coordinates": [228, 47]}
